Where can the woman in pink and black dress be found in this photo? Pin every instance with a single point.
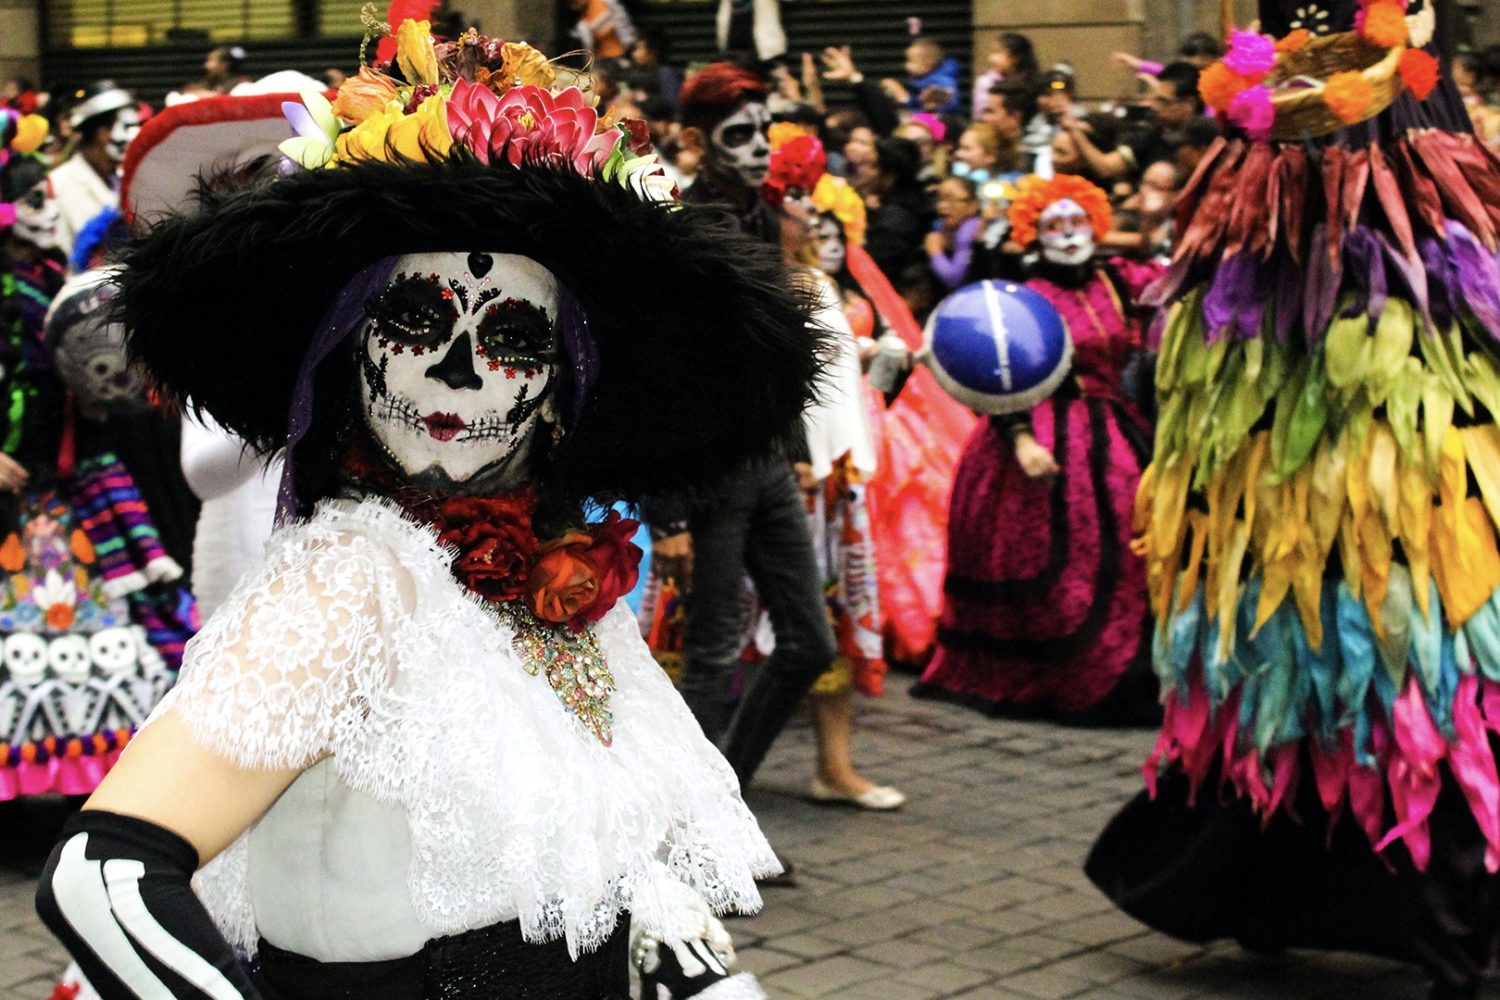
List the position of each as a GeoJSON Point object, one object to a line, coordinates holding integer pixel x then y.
{"type": "Point", "coordinates": [1044, 607]}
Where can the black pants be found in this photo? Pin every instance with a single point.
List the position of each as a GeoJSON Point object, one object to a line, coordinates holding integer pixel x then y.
{"type": "Point", "coordinates": [492, 963]}
{"type": "Point", "coordinates": [759, 529]}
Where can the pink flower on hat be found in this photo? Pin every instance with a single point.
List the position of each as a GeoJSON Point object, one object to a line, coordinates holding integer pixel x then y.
{"type": "Point", "coordinates": [529, 124]}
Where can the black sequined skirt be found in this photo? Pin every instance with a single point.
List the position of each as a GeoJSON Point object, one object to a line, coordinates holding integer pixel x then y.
{"type": "Point", "coordinates": [492, 963]}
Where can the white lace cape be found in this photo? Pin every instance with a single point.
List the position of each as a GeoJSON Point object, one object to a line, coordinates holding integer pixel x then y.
{"type": "Point", "coordinates": [354, 640]}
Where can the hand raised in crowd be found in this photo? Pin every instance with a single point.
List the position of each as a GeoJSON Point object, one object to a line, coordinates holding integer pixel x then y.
{"type": "Point", "coordinates": [895, 90]}
{"type": "Point", "coordinates": [787, 85]}
{"type": "Point", "coordinates": [805, 477]}
{"type": "Point", "coordinates": [1125, 60]}
{"type": "Point", "coordinates": [13, 475]}
{"type": "Point", "coordinates": [1035, 460]}
{"type": "Point", "coordinates": [936, 242]}
{"type": "Point", "coordinates": [838, 64]}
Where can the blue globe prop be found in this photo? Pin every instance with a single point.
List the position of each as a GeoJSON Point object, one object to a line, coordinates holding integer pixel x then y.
{"type": "Point", "coordinates": [997, 347]}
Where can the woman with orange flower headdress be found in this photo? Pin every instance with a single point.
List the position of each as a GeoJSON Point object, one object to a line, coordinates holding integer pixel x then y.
{"type": "Point", "coordinates": [1045, 604]}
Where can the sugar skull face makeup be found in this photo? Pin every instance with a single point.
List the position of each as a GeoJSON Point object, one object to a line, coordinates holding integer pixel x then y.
{"type": "Point", "coordinates": [126, 127]}
{"type": "Point", "coordinates": [1066, 232]}
{"type": "Point", "coordinates": [828, 240]}
{"type": "Point", "coordinates": [740, 144]}
{"type": "Point", "coordinates": [37, 217]}
{"type": "Point", "coordinates": [458, 365]}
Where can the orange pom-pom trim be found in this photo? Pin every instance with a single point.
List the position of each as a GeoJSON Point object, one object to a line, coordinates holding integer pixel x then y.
{"type": "Point", "coordinates": [1218, 85]}
{"type": "Point", "coordinates": [28, 753]}
{"type": "Point", "coordinates": [1348, 96]}
{"type": "Point", "coordinates": [1385, 24]}
{"type": "Point", "coordinates": [1034, 194]}
{"type": "Point", "coordinates": [1419, 71]}
{"type": "Point", "coordinates": [100, 743]}
{"type": "Point", "coordinates": [122, 736]}
{"type": "Point", "coordinates": [1294, 40]}
{"type": "Point", "coordinates": [74, 749]}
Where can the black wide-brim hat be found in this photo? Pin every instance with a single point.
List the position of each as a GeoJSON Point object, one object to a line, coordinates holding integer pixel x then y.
{"type": "Point", "coordinates": [706, 356]}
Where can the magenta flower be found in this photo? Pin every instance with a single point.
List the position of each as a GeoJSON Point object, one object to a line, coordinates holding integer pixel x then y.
{"type": "Point", "coordinates": [529, 125]}
{"type": "Point", "coordinates": [1251, 110]}
{"type": "Point", "coordinates": [1250, 54]}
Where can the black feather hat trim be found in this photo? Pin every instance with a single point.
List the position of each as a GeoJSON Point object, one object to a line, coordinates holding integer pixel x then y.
{"type": "Point", "coordinates": [706, 357]}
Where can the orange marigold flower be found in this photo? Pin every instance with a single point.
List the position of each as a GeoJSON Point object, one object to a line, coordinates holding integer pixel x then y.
{"type": "Point", "coordinates": [1294, 40]}
{"type": "Point", "coordinates": [1419, 71]}
{"type": "Point", "coordinates": [1385, 24]}
{"type": "Point", "coordinates": [1348, 95]}
{"type": "Point", "coordinates": [1218, 85]}
{"type": "Point", "coordinates": [60, 617]}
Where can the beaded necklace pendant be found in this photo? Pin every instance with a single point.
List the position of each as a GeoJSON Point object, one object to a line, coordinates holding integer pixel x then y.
{"type": "Point", "coordinates": [572, 663]}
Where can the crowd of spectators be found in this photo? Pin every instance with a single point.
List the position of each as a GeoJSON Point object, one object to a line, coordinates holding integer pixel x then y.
{"type": "Point", "coordinates": [934, 159]}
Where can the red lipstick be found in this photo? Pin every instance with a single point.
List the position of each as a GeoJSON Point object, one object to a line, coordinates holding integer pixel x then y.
{"type": "Point", "coordinates": [444, 426]}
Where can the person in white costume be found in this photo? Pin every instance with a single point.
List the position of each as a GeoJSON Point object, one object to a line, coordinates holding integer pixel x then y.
{"type": "Point", "coordinates": [422, 750]}
{"type": "Point", "coordinates": [88, 182]}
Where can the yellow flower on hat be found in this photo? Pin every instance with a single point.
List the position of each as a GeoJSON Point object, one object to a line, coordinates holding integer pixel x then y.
{"type": "Point", "coordinates": [524, 66]}
{"type": "Point", "coordinates": [422, 132]}
{"type": "Point", "coordinates": [837, 197]}
{"type": "Point", "coordinates": [415, 54]}
{"type": "Point", "coordinates": [31, 132]}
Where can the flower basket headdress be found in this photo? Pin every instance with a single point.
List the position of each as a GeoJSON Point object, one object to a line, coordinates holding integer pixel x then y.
{"type": "Point", "coordinates": [686, 346]}
{"type": "Point", "coordinates": [1312, 81]}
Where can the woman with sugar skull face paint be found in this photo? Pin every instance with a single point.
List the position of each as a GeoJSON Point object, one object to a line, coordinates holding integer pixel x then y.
{"type": "Point", "coordinates": [445, 323]}
{"type": "Point", "coordinates": [82, 564]}
{"type": "Point", "coordinates": [1045, 604]}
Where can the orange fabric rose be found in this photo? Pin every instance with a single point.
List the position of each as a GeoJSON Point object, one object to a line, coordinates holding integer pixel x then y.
{"type": "Point", "coordinates": [1348, 95]}
{"type": "Point", "coordinates": [564, 580]}
{"type": "Point", "coordinates": [579, 577]}
{"type": "Point", "coordinates": [1218, 85]}
{"type": "Point", "coordinates": [1294, 40]}
{"type": "Point", "coordinates": [364, 95]}
{"type": "Point", "coordinates": [1385, 24]}
{"type": "Point", "coordinates": [1419, 71]}
{"type": "Point", "coordinates": [60, 616]}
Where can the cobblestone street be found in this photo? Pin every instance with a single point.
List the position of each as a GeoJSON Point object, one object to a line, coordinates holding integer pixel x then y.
{"type": "Point", "coordinates": [973, 890]}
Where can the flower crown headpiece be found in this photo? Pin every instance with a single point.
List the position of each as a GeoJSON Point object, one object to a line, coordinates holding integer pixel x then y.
{"type": "Point", "coordinates": [494, 98]}
{"type": "Point", "coordinates": [1034, 194]}
{"type": "Point", "coordinates": [23, 135]}
{"type": "Point", "coordinates": [798, 161]}
{"type": "Point", "coordinates": [1304, 86]}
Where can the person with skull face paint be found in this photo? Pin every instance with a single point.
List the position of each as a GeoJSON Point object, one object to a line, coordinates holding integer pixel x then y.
{"type": "Point", "coordinates": [755, 523]}
{"type": "Point", "coordinates": [105, 120]}
{"type": "Point", "coordinates": [1045, 604]}
{"type": "Point", "coordinates": [80, 671]}
{"type": "Point", "coordinates": [423, 747]}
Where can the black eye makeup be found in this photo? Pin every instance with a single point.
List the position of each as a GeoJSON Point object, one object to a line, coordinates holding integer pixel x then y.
{"type": "Point", "coordinates": [737, 135]}
{"type": "Point", "coordinates": [512, 331]}
{"type": "Point", "coordinates": [413, 311]}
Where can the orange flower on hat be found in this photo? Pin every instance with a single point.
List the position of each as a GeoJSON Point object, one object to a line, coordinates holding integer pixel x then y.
{"type": "Point", "coordinates": [1419, 71]}
{"type": "Point", "coordinates": [1348, 96]}
{"type": "Point", "coordinates": [1218, 85]}
{"type": "Point", "coordinates": [364, 95]}
{"type": "Point", "coordinates": [1385, 24]}
{"type": "Point", "coordinates": [1294, 40]}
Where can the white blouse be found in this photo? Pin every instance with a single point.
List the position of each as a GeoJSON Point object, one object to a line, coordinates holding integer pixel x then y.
{"type": "Point", "coordinates": [451, 789]}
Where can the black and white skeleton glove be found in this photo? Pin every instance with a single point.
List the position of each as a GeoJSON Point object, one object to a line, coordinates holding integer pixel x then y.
{"type": "Point", "coordinates": [116, 892]}
{"type": "Point", "coordinates": [691, 956]}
